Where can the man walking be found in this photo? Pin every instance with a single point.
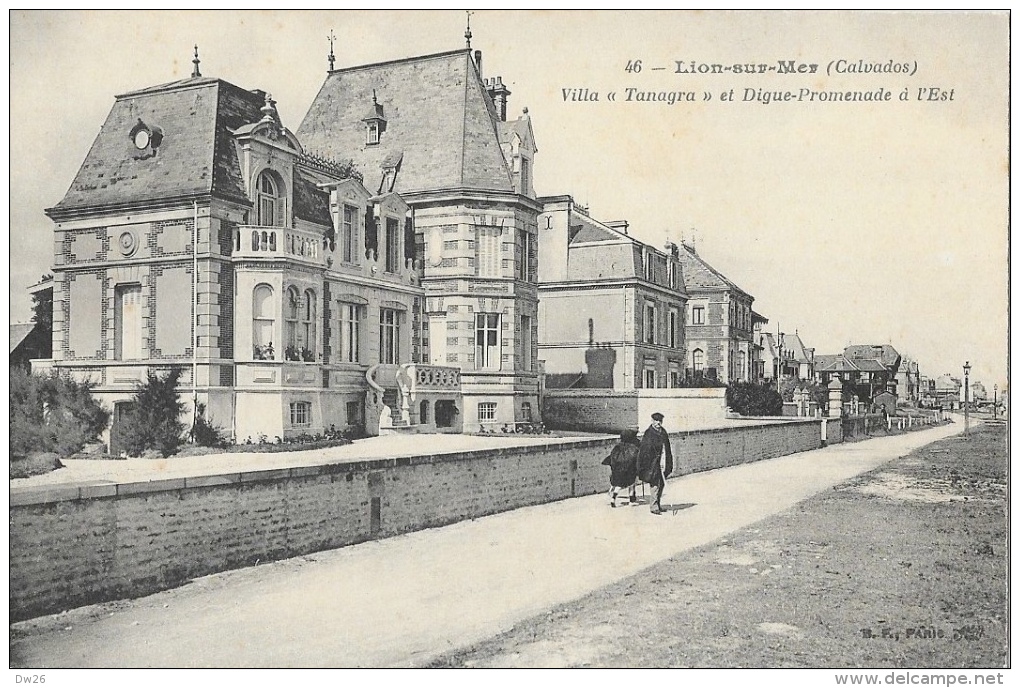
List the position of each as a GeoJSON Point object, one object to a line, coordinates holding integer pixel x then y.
{"type": "Point", "coordinates": [655, 459]}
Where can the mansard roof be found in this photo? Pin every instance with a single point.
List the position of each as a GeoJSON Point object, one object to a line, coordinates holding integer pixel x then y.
{"type": "Point", "coordinates": [195, 154]}
{"type": "Point", "coordinates": [438, 115]}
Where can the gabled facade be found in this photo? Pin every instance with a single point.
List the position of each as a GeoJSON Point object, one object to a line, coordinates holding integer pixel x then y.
{"type": "Point", "coordinates": [199, 233]}
{"type": "Point", "coordinates": [720, 343]}
{"type": "Point", "coordinates": [611, 313]}
{"type": "Point", "coordinates": [434, 130]}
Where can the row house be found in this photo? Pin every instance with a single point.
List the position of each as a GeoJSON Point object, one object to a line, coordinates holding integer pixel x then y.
{"type": "Point", "coordinates": [611, 308]}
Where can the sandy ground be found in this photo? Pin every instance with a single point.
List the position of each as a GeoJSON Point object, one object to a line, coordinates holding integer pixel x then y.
{"type": "Point", "coordinates": [405, 600]}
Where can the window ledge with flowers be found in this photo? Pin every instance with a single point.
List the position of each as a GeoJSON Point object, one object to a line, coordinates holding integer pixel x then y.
{"type": "Point", "coordinates": [299, 354]}
{"type": "Point", "coordinates": [264, 352]}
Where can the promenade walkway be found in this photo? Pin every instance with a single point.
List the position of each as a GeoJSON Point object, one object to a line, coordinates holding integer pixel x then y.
{"type": "Point", "coordinates": [403, 600]}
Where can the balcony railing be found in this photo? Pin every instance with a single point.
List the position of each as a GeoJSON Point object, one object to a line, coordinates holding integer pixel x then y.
{"type": "Point", "coordinates": [252, 241]}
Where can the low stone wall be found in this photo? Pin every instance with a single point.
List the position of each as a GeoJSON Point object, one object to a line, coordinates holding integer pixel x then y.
{"type": "Point", "coordinates": [611, 410]}
{"type": "Point", "coordinates": [80, 544]}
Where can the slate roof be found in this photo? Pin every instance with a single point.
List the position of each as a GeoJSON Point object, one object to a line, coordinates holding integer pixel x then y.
{"type": "Point", "coordinates": [19, 333]}
{"type": "Point", "coordinates": [520, 126]}
{"type": "Point", "coordinates": [870, 365]}
{"type": "Point", "coordinates": [593, 233]}
{"type": "Point", "coordinates": [796, 347]}
{"type": "Point", "coordinates": [438, 113]}
{"type": "Point", "coordinates": [884, 353]}
{"type": "Point", "coordinates": [699, 274]}
{"type": "Point", "coordinates": [196, 155]}
{"type": "Point", "coordinates": [834, 363]}
{"type": "Point", "coordinates": [310, 202]}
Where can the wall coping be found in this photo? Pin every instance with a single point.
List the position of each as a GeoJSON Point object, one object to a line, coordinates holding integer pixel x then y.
{"type": "Point", "coordinates": [28, 495]}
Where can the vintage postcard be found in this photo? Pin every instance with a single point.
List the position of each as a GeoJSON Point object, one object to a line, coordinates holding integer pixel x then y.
{"type": "Point", "coordinates": [370, 339]}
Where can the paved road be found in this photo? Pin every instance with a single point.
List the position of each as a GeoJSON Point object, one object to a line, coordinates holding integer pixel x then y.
{"type": "Point", "coordinates": [404, 600]}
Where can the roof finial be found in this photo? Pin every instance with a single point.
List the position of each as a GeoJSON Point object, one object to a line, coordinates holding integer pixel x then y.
{"type": "Point", "coordinates": [332, 57]}
{"type": "Point", "coordinates": [467, 34]}
{"type": "Point", "coordinates": [195, 73]}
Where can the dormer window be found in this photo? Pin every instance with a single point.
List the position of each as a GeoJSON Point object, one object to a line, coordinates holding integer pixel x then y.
{"type": "Point", "coordinates": [269, 201]}
{"type": "Point", "coordinates": [375, 123]}
{"type": "Point", "coordinates": [145, 138]}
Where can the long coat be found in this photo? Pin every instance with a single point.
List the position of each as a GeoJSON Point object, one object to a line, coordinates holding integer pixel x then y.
{"type": "Point", "coordinates": [623, 461]}
{"type": "Point", "coordinates": [652, 444]}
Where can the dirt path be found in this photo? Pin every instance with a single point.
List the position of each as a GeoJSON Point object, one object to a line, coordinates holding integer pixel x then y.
{"type": "Point", "coordinates": [906, 566]}
{"type": "Point", "coordinates": [404, 601]}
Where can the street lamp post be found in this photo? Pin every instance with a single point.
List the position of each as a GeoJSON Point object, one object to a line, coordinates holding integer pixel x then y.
{"type": "Point", "coordinates": [995, 402]}
{"type": "Point", "coordinates": [966, 397]}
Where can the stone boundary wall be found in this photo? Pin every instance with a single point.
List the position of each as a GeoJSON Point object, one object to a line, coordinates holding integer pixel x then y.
{"type": "Point", "coordinates": [607, 410]}
{"type": "Point", "coordinates": [80, 544]}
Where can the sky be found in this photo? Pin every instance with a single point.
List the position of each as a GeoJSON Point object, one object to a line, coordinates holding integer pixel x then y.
{"type": "Point", "coordinates": [849, 222]}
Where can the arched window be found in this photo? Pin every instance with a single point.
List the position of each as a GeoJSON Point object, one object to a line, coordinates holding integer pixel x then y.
{"type": "Point", "coordinates": [263, 323]}
{"type": "Point", "coordinates": [269, 200]}
{"type": "Point", "coordinates": [698, 357]}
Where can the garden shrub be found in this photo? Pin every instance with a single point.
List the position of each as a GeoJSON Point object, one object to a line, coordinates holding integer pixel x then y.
{"type": "Point", "coordinates": [205, 433]}
{"type": "Point", "coordinates": [154, 423]}
{"type": "Point", "coordinates": [751, 399]}
{"type": "Point", "coordinates": [52, 413]}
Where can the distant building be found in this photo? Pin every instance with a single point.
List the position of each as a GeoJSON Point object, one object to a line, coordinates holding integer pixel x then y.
{"type": "Point", "coordinates": [720, 343]}
{"type": "Point", "coordinates": [908, 381]}
{"type": "Point", "coordinates": [611, 309]}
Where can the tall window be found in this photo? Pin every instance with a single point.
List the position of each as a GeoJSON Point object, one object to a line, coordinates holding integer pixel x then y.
{"type": "Point", "coordinates": [671, 273]}
{"type": "Point", "coordinates": [350, 333]}
{"type": "Point", "coordinates": [487, 353]}
{"type": "Point", "coordinates": [525, 175]}
{"type": "Point", "coordinates": [389, 336]}
{"type": "Point", "coordinates": [649, 323]}
{"type": "Point", "coordinates": [697, 315]}
{"type": "Point", "coordinates": [349, 234]}
{"type": "Point", "coordinates": [524, 269]}
{"type": "Point", "coordinates": [291, 315]}
{"type": "Point", "coordinates": [742, 366]}
{"type": "Point", "coordinates": [649, 378]}
{"type": "Point", "coordinates": [128, 322]}
{"type": "Point", "coordinates": [263, 323]}
{"type": "Point", "coordinates": [674, 328]}
{"type": "Point", "coordinates": [649, 272]}
{"type": "Point", "coordinates": [392, 245]}
{"type": "Point", "coordinates": [525, 358]}
{"type": "Point", "coordinates": [268, 201]}
{"type": "Point", "coordinates": [489, 251]}
{"type": "Point", "coordinates": [308, 326]}
{"type": "Point", "coordinates": [698, 357]}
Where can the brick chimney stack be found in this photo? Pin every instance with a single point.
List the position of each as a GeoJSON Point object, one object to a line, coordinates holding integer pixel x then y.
{"type": "Point", "coordinates": [498, 92]}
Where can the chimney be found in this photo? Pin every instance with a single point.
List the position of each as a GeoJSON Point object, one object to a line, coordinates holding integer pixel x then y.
{"type": "Point", "coordinates": [478, 62]}
{"type": "Point", "coordinates": [619, 225]}
{"type": "Point", "coordinates": [498, 92]}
